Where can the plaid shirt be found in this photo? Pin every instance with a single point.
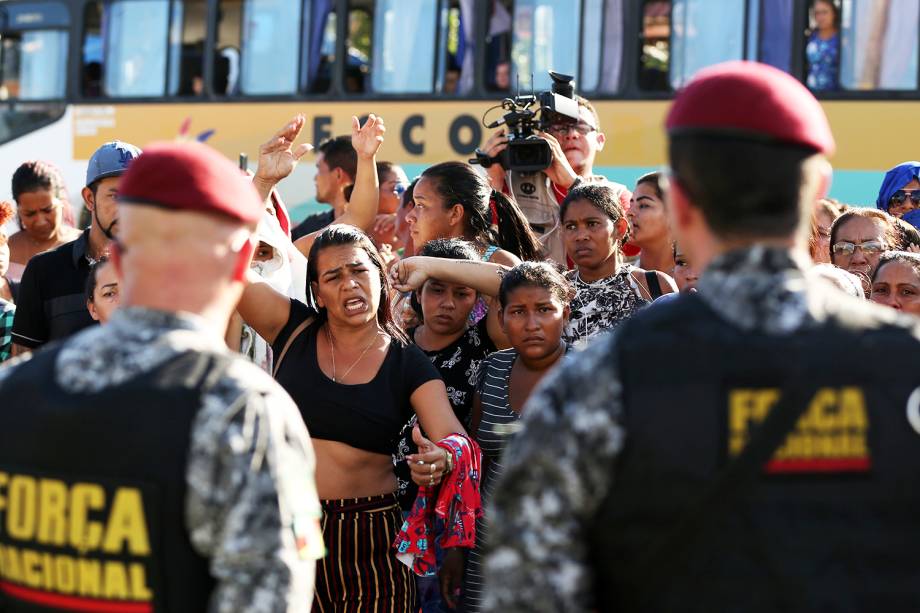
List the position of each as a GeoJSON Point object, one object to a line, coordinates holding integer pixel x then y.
{"type": "Point", "coordinates": [7, 310]}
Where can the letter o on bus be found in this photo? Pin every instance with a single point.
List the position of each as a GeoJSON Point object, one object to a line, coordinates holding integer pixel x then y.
{"type": "Point", "coordinates": [475, 134]}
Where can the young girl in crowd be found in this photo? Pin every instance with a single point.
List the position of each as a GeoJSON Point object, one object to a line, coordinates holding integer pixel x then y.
{"type": "Point", "coordinates": [534, 298]}
{"type": "Point", "coordinates": [43, 212]}
{"type": "Point", "coordinates": [896, 282]}
{"type": "Point", "coordinates": [649, 228]}
{"type": "Point", "coordinates": [356, 381]}
{"type": "Point", "coordinates": [607, 290]}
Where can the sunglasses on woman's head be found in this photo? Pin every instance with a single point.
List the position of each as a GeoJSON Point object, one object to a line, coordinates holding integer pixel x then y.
{"type": "Point", "coordinates": [900, 196]}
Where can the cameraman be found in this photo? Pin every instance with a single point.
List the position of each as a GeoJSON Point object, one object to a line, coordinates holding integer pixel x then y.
{"type": "Point", "coordinates": [574, 147]}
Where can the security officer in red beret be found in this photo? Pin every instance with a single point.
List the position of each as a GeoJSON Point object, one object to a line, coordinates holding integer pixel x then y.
{"type": "Point", "coordinates": [774, 466]}
{"type": "Point", "coordinates": [143, 467]}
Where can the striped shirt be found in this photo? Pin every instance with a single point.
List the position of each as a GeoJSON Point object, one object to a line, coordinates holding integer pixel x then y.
{"type": "Point", "coordinates": [495, 425]}
{"type": "Point", "coordinates": [7, 311]}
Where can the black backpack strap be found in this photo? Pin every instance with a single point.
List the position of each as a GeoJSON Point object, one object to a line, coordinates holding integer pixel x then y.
{"type": "Point", "coordinates": [654, 287]}
{"type": "Point", "coordinates": [665, 556]}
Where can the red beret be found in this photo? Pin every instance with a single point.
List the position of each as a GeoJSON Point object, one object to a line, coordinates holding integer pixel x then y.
{"type": "Point", "coordinates": [190, 177]}
{"type": "Point", "coordinates": [749, 98]}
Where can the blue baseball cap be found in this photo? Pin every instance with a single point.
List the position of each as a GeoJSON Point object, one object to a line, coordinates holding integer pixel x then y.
{"type": "Point", "coordinates": [110, 160]}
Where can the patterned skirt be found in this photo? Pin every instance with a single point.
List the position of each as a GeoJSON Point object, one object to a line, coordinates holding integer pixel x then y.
{"type": "Point", "coordinates": [361, 572]}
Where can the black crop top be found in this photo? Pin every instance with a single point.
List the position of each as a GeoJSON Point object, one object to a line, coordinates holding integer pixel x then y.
{"type": "Point", "coordinates": [368, 416]}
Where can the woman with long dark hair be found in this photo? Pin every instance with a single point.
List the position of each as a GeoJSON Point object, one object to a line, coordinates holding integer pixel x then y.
{"type": "Point", "coordinates": [452, 200]}
{"type": "Point", "coordinates": [357, 382]}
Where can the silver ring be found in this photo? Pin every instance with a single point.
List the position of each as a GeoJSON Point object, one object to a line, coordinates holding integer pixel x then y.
{"type": "Point", "coordinates": [432, 465]}
{"type": "Point", "coordinates": [421, 462]}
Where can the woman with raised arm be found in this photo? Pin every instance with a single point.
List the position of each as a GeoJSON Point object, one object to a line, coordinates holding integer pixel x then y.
{"type": "Point", "coordinates": [356, 382]}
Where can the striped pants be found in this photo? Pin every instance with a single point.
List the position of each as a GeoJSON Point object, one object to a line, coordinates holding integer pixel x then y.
{"type": "Point", "coordinates": [361, 572]}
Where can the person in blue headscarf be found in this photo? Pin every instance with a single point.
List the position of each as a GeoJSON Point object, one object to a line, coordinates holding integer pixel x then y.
{"type": "Point", "coordinates": [900, 191]}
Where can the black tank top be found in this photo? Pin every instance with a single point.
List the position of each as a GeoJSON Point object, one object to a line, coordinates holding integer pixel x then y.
{"type": "Point", "coordinates": [367, 416]}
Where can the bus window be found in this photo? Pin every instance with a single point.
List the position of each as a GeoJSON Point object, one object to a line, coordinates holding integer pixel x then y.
{"type": "Point", "coordinates": [186, 60]}
{"type": "Point", "coordinates": [91, 85]}
{"type": "Point", "coordinates": [878, 44]}
{"type": "Point", "coordinates": [358, 45]}
{"type": "Point", "coordinates": [704, 33]}
{"type": "Point", "coordinates": [770, 32]}
{"type": "Point", "coordinates": [404, 54]}
{"type": "Point", "coordinates": [545, 38]}
{"type": "Point", "coordinates": [318, 55]}
{"type": "Point", "coordinates": [601, 46]}
{"type": "Point", "coordinates": [33, 65]}
{"type": "Point", "coordinates": [135, 48]}
{"type": "Point", "coordinates": [455, 54]}
{"type": "Point", "coordinates": [655, 45]}
{"type": "Point", "coordinates": [498, 48]}
{"type": "Point", "coordinates": [270, 46]}
{"type": "Point", "coordinates": [227, 48]}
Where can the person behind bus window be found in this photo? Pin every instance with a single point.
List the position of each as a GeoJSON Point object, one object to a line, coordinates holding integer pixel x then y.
{"type": "Point", "coordinates": [897, 282]}
{"type": "Point", "coordinates": [823, 48]}
{"type": "Point", "coordinates": [859, 237]}
{"type": "Point", "coordinates": [41, 200]}
{"type": "Point", "coordinates": [899, 193]}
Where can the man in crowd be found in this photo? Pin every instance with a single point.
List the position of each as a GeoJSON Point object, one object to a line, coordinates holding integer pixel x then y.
{"type": "Point", "coordinates": [764, 476]}
{"type": "Point", "coordinates": [182, 471]}
{"type": "Point", "coordinates": [51, 305]}
{"type": "Point", "coordinates": [574, 146]}
{"type": "Point", "coordinates": [336, 165]}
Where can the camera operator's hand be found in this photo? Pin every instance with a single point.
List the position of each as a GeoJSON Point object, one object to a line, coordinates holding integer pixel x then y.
{"type": "Point", "coordinates": [560, 171]}
{"type": "Point", "coordinates": [493, 148]}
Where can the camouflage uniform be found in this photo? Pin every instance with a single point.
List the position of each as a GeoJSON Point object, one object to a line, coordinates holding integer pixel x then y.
{"type": "Point", "coordinates": [251, 503]}
{"type": "Point", "coordinates": [559, 467]}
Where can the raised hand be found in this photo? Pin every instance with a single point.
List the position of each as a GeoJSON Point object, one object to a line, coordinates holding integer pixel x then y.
{"type": "Point", "coordinates": [408, 274]}
{"type": "Point", "coordinates": [367, 139]}
{"type": "Point", "coordinates": [560, 171]}
{"type": "Point", "coordinates": [277, 156]}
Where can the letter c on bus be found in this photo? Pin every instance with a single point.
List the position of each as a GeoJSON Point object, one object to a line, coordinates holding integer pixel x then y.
{"type": "Point", "coordinates": [412, 147]}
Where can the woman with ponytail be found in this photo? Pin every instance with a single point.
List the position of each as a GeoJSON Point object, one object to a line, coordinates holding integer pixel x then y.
{"type": "Point", "coordinates": [452, 200]}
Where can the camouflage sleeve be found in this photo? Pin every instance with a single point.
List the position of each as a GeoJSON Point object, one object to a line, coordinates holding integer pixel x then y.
{"type": "Point", "coordinates": [252, 507]}
{"type": "Point", "coordinates": [556, 472]}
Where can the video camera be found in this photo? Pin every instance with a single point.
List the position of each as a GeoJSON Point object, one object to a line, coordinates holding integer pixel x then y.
{"type": "Point", "coordinates": [527, 152]}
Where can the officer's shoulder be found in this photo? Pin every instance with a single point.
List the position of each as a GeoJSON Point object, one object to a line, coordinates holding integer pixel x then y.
{"type": "Point", "coordinates": [242, 374]}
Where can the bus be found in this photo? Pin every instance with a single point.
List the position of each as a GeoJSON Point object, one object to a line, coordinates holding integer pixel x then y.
{"type": "Point", "coordinates": [77, 73]}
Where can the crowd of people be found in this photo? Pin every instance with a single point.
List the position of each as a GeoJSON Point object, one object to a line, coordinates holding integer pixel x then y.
{"type": "Point", "coordinates": [412, 325]}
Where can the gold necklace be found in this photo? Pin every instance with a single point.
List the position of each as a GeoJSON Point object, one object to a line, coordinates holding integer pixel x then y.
{"type": "Point", "coordinates": [355, 363]}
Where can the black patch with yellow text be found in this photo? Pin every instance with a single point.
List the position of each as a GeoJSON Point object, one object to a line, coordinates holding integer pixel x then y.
{"type": "Point", "coordinates": [830, 437]}
{"type": "Point", "coordinates": [78, 544]}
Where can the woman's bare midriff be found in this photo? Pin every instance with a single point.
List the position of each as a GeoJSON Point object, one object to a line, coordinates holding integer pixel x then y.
{"type": "Point", "coordinates": [343, 471]}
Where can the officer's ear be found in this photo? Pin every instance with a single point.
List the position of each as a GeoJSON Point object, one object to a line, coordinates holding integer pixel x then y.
{"type": "Point", "coordinates": [243, 260]}
{"type": "Point", "coordinates": [115, 256]}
